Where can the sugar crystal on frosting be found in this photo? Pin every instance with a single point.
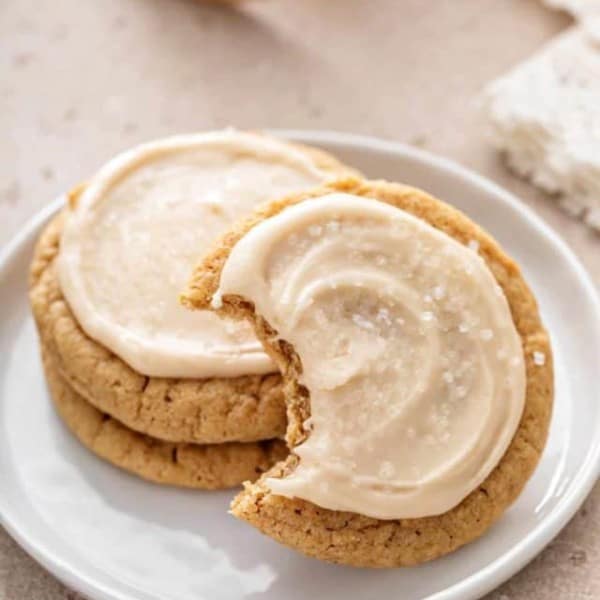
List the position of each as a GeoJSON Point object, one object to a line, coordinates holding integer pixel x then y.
{"type": "Point", "coordinates": [332, 226]}
{"type": "Point", "coordinates": [461, 391]}
{"type": "Point", "coordinates": [361, 322]}
{"type": "Point", "coordinates": [439, 292]}
{"type": "Point", "coordinates": [448, 377]}
{"type": "Point", "coordinates": [383, 314]}
{"type": "Point", "coordinates": [486, 335]}
{"type": "Point", "coordinates": [386, 470]}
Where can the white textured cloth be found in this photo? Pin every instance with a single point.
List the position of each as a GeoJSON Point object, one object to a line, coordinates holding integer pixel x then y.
{"type": "Point", "coordinates": [587, 12]}
{"type": "Point", "coordinates": [545, 117]}
{"type": "Point", "coordinates": [578, 8]}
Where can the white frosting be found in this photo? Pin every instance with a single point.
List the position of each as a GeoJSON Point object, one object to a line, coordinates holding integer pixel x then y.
{"type": "Point", "coordinates": [140, 226]}
{"type": "Point", "coordinates": [545, 117]}
{"type": "Point", "coordinates": [414, 366]}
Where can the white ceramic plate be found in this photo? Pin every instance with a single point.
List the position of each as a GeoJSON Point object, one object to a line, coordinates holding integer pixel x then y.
{"type": "Point", "coordinates": [112, 536]}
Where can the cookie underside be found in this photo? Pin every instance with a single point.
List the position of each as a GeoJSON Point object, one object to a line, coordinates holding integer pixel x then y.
{"type": "Point", "coordinates": [353, 539]}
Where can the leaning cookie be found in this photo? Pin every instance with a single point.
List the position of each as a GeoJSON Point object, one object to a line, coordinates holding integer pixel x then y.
{"type": "Point", "coordinates": [174, 395]}
{"type": "Point", "coordinates": [365, 485]}
{"type": "Point", "coordinates": [216, 466]}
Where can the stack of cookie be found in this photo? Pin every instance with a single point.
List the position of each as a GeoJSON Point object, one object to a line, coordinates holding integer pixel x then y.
{"type": "Point", "coordinates": [172, 396]}
{"type": "Point", "coordinates": [389, 341]}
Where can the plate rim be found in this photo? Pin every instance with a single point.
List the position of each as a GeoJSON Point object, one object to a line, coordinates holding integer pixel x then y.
{"type": "Point", "coordinates": [497, 571]}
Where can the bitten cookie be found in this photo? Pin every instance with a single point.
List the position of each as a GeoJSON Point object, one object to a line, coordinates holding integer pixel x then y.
{"type": "Point", "coordinates": [200, 410]}
{"type": "Point", "coordinates": [345, 536]}
{"type": "Point", "coordinates": [209, 467]}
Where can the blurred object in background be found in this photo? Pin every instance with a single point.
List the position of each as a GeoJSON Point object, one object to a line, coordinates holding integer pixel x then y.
{"type": "Point", "coordinates": [585, 11]}
{"type": "Point", "coordinates": [578, 8]}
{"type": "Point", "coordinates": [545, 118]}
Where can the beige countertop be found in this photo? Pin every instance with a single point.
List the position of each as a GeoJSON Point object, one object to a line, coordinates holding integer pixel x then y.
{"type": "Point", "coordinates": [81, 80]}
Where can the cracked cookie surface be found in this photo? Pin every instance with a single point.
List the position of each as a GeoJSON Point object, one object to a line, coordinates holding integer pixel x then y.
{"type": "Point", "coordinates": [350, 538]}
{"type": "Point", "coordinates": [211, 466]}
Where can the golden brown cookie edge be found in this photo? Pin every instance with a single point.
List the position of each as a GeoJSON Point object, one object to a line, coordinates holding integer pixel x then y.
{"type": "Point", "coordinates": [209, 467]}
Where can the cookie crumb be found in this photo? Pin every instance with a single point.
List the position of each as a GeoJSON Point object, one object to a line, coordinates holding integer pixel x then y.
{"type": "Point", "coordinates": [217, 300]}
{"type": "Point", "coordinates": [486, 335]}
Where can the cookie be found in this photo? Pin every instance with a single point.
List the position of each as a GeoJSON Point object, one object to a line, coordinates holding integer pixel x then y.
{"type": "Point", "coordinates": [213, 410]}
{"type": "Point", "coordinates": [205, 411]}
{"type": "Point", "coordinates": [351, 538]}
{"type": "Point", "coordinates": [211, 466]}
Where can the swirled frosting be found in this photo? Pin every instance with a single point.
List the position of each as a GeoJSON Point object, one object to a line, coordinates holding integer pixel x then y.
{"type": "Point", "coordinates": [137, 230]}
{"type": "Point", "coordinates": [413, 364]}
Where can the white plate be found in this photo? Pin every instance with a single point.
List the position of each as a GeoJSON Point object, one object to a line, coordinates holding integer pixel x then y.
{"type": "Point", "coordinates": [112, 536]}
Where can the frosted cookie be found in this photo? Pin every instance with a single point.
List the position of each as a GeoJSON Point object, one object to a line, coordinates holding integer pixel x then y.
{"type": "Point", "coordinates": [211, 466]}
{"type": "Point", "coordinates": [107, 273]}
{"type": "Point", "coordinates": [417, 372]}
